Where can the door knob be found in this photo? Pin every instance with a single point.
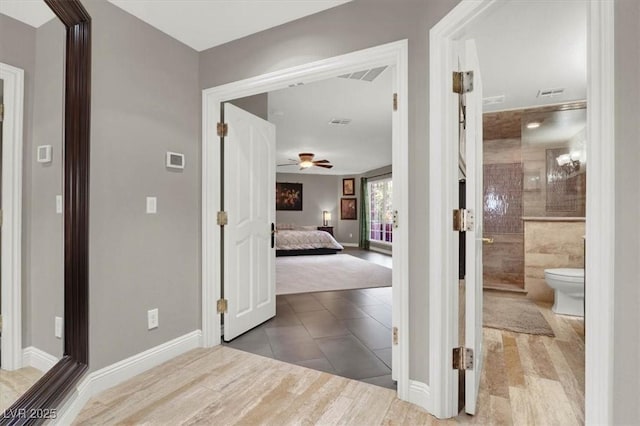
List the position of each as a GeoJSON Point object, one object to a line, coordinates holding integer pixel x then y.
{"type": "Point", "coordinates": [487, 240]}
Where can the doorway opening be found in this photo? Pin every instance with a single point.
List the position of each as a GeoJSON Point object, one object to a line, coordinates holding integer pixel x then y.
{"type": "Point", "coordinates": [333, 226]}
{"type": "Point", "coordinates": [393, 55]}
{"type": "Point", "coordinates": [12, 79]}
{"type": "Point", "coordinates": [550, 176]}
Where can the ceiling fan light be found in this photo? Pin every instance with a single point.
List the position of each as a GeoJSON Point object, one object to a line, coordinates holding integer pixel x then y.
{"type": "Point", "coordinates": [306, 164]}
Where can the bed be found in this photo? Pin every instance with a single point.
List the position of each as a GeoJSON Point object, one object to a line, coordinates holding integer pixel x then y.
{"type": "Point", "coordinates": [304, 241]}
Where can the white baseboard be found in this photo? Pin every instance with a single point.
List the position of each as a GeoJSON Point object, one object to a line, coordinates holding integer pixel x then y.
{"type": "Point", "coordinates": [420, 394]}
{"type": "Point", "coordinates": [114, 374]}
{"type": "Point", "coordinates": [38, 359]}
{"type": "Point", "coordinates": [380, 250]}
{"type": "Point", "coordinates": [349, 244]}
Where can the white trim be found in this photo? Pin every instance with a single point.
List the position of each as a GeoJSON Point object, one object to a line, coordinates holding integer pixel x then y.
{"type": "Point", "coordinates": [38, 359]}
{"type": "Point", "coordinates": [420, 394]}
{"type": "Point", "coordinates": [11, 245]}
{"type": "Point", "coordinates": [349, 244]}
{"type": "Point", "coordinates": [380, 250]}
{"type": "Point", "coordinates": [114, 374]}
{"type": "Point", "coordinates": [600, 226]}
{"type": "Point", "coordinates": [394, 54]}
{"type": "Point", "coordinates": [600, 209]}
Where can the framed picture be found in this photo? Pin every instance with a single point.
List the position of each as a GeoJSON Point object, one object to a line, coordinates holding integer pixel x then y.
{"type": "Point", "coordinates": [349, 208]}
{"type": "Point", "coordinates": [288, 196]}
{"type": "Point", "coordinates": [349, 186]}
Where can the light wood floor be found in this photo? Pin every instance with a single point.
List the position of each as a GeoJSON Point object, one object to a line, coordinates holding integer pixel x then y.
{"type": "Point", "coordinates": [15, 383]}
{"type": "Point", "coordinates": [526, 380]}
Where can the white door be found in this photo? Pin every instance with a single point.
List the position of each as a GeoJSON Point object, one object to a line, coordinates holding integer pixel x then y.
{"type": "Point", "coordinates": [468, 60]}
{"type": "Point", "coordinates": [249, 200]}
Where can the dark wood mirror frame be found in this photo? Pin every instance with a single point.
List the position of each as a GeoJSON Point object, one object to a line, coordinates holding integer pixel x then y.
{"type": "Point", "coordinates": [44, 396]}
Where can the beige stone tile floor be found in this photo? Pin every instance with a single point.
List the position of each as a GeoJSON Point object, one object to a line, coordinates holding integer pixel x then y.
{"type": "Point", "coordinates": [15, 383]}
{"type": "Point", "coordinates": [526, 380]}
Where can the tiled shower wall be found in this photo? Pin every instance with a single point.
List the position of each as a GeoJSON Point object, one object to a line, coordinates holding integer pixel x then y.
{"type": "Point", "coordinates": [515, 182]}
{"type": "Point", "coordinates": [503, 261]}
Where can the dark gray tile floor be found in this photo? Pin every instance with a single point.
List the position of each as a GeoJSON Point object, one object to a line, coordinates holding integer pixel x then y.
{"type": "Point", "coordinates": [347, 333]}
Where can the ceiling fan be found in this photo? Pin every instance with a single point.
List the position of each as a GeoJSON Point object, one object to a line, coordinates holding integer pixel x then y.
{"type": "Point", "coordinates": [305, 160]}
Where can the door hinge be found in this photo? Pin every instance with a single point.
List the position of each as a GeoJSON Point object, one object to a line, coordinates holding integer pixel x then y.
{"type": "Point", "coordinates": [222, 219]}
{"type": "Point", "coordinates": [462, 82]}
{"type": "Point", "coordinates": [395, 101]}
{"type": "Point", "coordinates": [462, 220]}
{"type": "Point", "coordinates": [222, 306]}
{"type": "Point", "coordinates": [1, 217]}
{"type": "Point", "coordinates": [0, 323]}
{"type": "Point", "coordinates": [394, 333]}
{"type": "Point", "coordinates": [1, 113]}
{"type": "Point", "coordinates": [462, 358]}
{"type": "Point", "coordinates": [395, 219]}
{"type": "Point", "coordinates": [223, 129]}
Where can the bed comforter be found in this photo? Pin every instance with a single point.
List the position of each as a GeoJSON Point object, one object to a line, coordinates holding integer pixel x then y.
{"type": "Point", "coordinates": [305, 240]}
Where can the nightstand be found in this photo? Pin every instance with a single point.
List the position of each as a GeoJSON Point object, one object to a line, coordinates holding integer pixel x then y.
{"type": "Point", "coordinates": [328, 229]}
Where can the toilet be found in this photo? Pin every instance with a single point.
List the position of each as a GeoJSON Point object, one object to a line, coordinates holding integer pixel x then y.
{"type": "Point", "coordinates": [568, 286]}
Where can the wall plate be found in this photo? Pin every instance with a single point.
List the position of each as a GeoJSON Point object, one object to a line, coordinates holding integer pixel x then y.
{"type": "Point", "coordinates": [175, 160]}
{"type": "Point", "coordinates": [44, 154]}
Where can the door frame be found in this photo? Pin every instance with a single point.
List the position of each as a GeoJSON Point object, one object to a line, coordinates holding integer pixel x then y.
{"type": "Point", "coordinates": [394, 54]}
{"type": "Point", "coordinates": [443, 310]}
{"type": "Point", "coordinates": [12, 128]}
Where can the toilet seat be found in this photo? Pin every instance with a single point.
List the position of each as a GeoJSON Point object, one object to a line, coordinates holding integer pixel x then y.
{"type": "Point", "coordinates": [573, 275]}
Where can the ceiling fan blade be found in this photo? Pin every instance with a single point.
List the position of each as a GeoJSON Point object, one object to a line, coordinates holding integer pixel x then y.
{"type": "Point", "coordinates": [321, 162]}
{"type": "Point", "coordinates": [326, 166]}
{"type": "Point", "coordinates": [295, 161]}
{"type": "Point", "coordinates": [288, 164]}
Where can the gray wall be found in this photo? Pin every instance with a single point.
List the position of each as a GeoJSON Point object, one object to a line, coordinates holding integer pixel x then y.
{"type": "Point", "coordinates": [353, 26]}
{"type": "Point", "coordinates": [145, 101]}
{"type": "Point", "coordinates": [45, 277]}
{"type": "Point", "coordinates": [626, 348]}
{"type": "Point", "coordinates": [39, 52]}
{"type": "Point", "coordinates": [257, 105]}
{"type": "Point", "coordinates": [318, 194]}
{"type": "Point", "coordinates": [18, 48]}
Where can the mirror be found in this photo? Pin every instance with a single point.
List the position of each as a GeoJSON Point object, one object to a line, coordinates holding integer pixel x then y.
{"type": "Point", "coordinates": [49, 337]}
{"type": "Point", "coordinates": [42, 291]}
{"type": "Point", "coordinates": [554, 162]}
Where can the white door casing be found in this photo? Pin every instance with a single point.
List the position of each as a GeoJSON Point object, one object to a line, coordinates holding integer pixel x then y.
{"type": "Point", "coordinates": [468, 60]}
{"type": "Point", "coordinates": [392, 54]}
{"type": "Point", "coordinates": [11, 268]}
{"type": "Point", "coordinates": [443, 168]}
{"type": "Point", "coordinates": [249, 200]}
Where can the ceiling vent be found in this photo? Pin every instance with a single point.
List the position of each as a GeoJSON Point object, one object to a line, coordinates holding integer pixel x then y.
{"type": "Point", "coordinates": [550, 93]}
{"type": "Point", "coordinates": [493, 100]}
{"type": "Point", "coordinates": [339, 121]}
{"type": "Point", "coordinates": [366, 75]}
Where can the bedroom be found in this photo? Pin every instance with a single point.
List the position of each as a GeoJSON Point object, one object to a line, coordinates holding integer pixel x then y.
{"type": "Point", "coordinates": [333, 226]}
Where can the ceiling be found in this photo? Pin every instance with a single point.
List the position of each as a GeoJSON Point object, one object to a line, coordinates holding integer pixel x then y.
{"type": "Point", "coordinates": [528, 45]}
{"type": "Point", "coordinates": [203, 23]}
{"type": "Point", "coordinates": [302, 114]}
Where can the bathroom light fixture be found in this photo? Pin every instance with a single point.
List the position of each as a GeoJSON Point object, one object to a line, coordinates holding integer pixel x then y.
{"type": "Point", "coordinates": [326, 217]}
{"type": "Point", "coordinates": [533, 125]}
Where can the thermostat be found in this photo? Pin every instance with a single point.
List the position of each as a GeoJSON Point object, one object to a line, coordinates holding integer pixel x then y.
{"type": "Point", "coordinates": [175, 160]}
{"type": "Point", "coordinates": [44, 154]}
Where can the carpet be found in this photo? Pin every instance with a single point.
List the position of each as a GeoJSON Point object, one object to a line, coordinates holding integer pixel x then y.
{"type": "Point", "coordinates": [514, 314]}
{"type": "Point", "coordinates": [304, 274]}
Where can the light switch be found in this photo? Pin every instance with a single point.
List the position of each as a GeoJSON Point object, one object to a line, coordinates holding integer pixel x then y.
{"type": "Point", "coordinates": [152, 205]}
{"type": "Point", "coordinates": [59, 204]}
{"type": "Point", "coordinates": [58, 327]}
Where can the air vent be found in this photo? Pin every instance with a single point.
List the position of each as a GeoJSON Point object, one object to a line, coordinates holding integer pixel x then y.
{"type": "Point", "coordinates": [550, 93]}
{"type": "Point", "coordinates": [365, 75]}
{"type": "Point", "coordinates": [493, 100]}
{"type": "Point", "coordinates": [339, 121]}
